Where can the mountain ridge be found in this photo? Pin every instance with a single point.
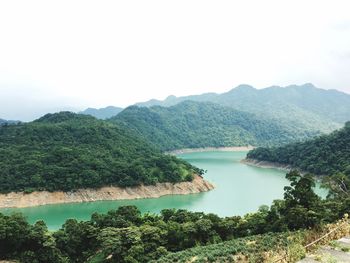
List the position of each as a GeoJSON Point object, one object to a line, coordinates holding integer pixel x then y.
{"type": "Point", "coordinates": [102, 113]}
{"type": "Point", "coordinates": [191, 124]}
{"type": "Point", "coordinates": [303, 106]}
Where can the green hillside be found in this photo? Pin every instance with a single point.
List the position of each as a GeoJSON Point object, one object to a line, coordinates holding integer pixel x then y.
{"type": "Point", "coordinates": [67, 151]}
{"type": "Point", "coordinates": [305, 107]}
{"type": "Point", "coordinates": [325, 155]}
{"type": "Point", "coordinates": [204, 124]}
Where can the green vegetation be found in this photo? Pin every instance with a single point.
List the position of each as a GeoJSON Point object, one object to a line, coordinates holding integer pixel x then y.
{"type": "Point", "coordinates": [203, 124]}
{"type": "Point", "coordinates": [124, 235]}
{"type": "Point", "coordinates": [67, 151]}
{"type": "Point", "coordinates": [103, 113]}
{"type": "Point", "coordinates": [249, 249]}
{"type": "Point", "coordinates": [305, 107]}
{"type": "Point", "coordinates": [326, 155]}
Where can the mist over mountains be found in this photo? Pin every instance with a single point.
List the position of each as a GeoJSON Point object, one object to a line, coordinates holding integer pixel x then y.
{"type": "Point", "coordinates": [304, 99]}
{"type": "Point", "coordinates": [102, 113]}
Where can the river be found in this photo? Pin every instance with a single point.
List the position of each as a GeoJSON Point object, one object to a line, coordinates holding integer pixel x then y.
{"type": "Point", "coordinates": [240, 189]}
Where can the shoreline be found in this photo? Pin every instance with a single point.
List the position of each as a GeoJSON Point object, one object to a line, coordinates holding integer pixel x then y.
{"type": "Point", "coordinates": [209, 149]}
{"type": "Point", "coordinates": [39, 198]}
{"type": "Point", "coordinates": [282, 167]}
{"type": "Point", "coordinates": [270, 165]}
{"type": "Point", "coordinates": [266, 164]}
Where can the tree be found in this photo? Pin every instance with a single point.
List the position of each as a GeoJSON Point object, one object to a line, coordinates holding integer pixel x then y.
{"type": "Point", "coordinates": [303, 207]}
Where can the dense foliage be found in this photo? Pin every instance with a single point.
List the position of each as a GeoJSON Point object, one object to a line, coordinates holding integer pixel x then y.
{"type": "Point", "coordinates": [67, 151]}
{"type": "Point", "coordinates": [248, 249]}
{"type": "Point", "coordinates": [305, 107]}
{"type": "Point", "coordinates": [124, 235]}
{"type": "Point", "coordinates": [203, 124]}
{"type": "Point", "coordinates": [102, 113]}
{"type": "Point", "coordinates": [326, 155]}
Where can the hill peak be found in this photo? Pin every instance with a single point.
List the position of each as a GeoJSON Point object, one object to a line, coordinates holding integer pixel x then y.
{"type": "Point", "coordinates": [62, 116]}
{"type": "Point", "coordinates": [243, 87]}
{"type": "Point", "coordinates": [303, 86]}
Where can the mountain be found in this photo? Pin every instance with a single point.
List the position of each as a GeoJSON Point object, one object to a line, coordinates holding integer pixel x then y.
{"type": "Point", "coordinates": [4, 122]}
{"type": "Point", "coordinates": [67, 151]}
{"type": "Point", "coordinates": [325, 155]}
{"type": "Point", "coordinates": [305, 106]}
{"type": "Point", "coordinates": [192, 124]}
{"type": "Point", "coordinates": [102, 113]}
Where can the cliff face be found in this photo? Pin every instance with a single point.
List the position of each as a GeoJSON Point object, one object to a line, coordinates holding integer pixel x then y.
{"type": "Point", "coordinates": [21, 199]}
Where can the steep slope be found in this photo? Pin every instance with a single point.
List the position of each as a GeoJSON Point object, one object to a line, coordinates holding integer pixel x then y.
{"type": "Point", "coordinates": [305, 106]}
{"type": "Point", "coordinates": [204, 124]}
{"type": "Point", "coordinates": [102, 113]}
{"type": "Point", "coordinates": [67, 151]}
{"type": "Point", "coordinates": [325, 155]}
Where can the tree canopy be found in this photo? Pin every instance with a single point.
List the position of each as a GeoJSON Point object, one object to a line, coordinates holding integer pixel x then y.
{"type": "Point", "coordinates": [325, 155]}
{"type": "Point", "coordinates": [67, 151]}
{"type": "Point", "coordinates": [204, 124]}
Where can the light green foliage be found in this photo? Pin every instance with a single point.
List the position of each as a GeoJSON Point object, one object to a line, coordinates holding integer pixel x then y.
{"type": "Point", "coordinates": [253, 248]}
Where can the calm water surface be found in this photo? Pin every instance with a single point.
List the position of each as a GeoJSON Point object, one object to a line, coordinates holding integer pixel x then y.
{"type": "Point", "coordinates": [239, 189]}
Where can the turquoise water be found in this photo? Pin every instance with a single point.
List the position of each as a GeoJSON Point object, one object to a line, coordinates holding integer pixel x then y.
{"type": "Point", "coordinates": [239, 189]}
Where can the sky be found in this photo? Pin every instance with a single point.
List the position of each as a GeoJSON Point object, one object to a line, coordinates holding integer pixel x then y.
{"type": "Point", "coordinates": [69, 55]}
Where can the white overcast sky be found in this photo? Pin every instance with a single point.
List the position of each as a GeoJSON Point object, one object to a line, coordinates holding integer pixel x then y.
{"type": "Point", "coordinates": [73, 54]}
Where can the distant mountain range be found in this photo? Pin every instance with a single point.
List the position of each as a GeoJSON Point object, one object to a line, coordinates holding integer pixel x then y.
{"type": "Point", "coordinates": [305, 106]}
{"type": "Point", "coordinates": [4, 122]}
{"type": "Point", "coordinates": [102, 113]}
{"type": "Point", "coordinates": [192, 124]}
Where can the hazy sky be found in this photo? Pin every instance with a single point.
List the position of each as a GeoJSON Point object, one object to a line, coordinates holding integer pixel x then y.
{"type": "Point", "coordinates": [75, 54]}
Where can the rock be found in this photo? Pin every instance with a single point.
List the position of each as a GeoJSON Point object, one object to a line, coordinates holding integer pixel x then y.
{"type": "Point", "coordinates": [37, 198]}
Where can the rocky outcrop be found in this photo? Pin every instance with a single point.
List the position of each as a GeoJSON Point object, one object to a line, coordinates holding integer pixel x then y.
{"type": "Point", "coordinates": [37, 198]}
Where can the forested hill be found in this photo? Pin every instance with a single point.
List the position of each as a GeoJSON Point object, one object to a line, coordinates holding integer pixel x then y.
{"type": "Point", "coordinates": [102, 113]}
{"type": "Point", "coordinates": [67, 151]}
{"type": "Point", "coordinates": [204, 124]}
{"type": "Point", "coordinates": [326, 155]}
{"type": "Point", "coordinates": [305, 106]}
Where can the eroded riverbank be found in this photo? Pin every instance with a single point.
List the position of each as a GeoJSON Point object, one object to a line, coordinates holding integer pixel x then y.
{"type": "Point", "coordinates": [272, 165]}
{"type": "Point", "coordinates": [265, 164]}
{"type": "Point", "coordinates": [38, 198]}
{"type": "Point", "coordinates": [212, 149]}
